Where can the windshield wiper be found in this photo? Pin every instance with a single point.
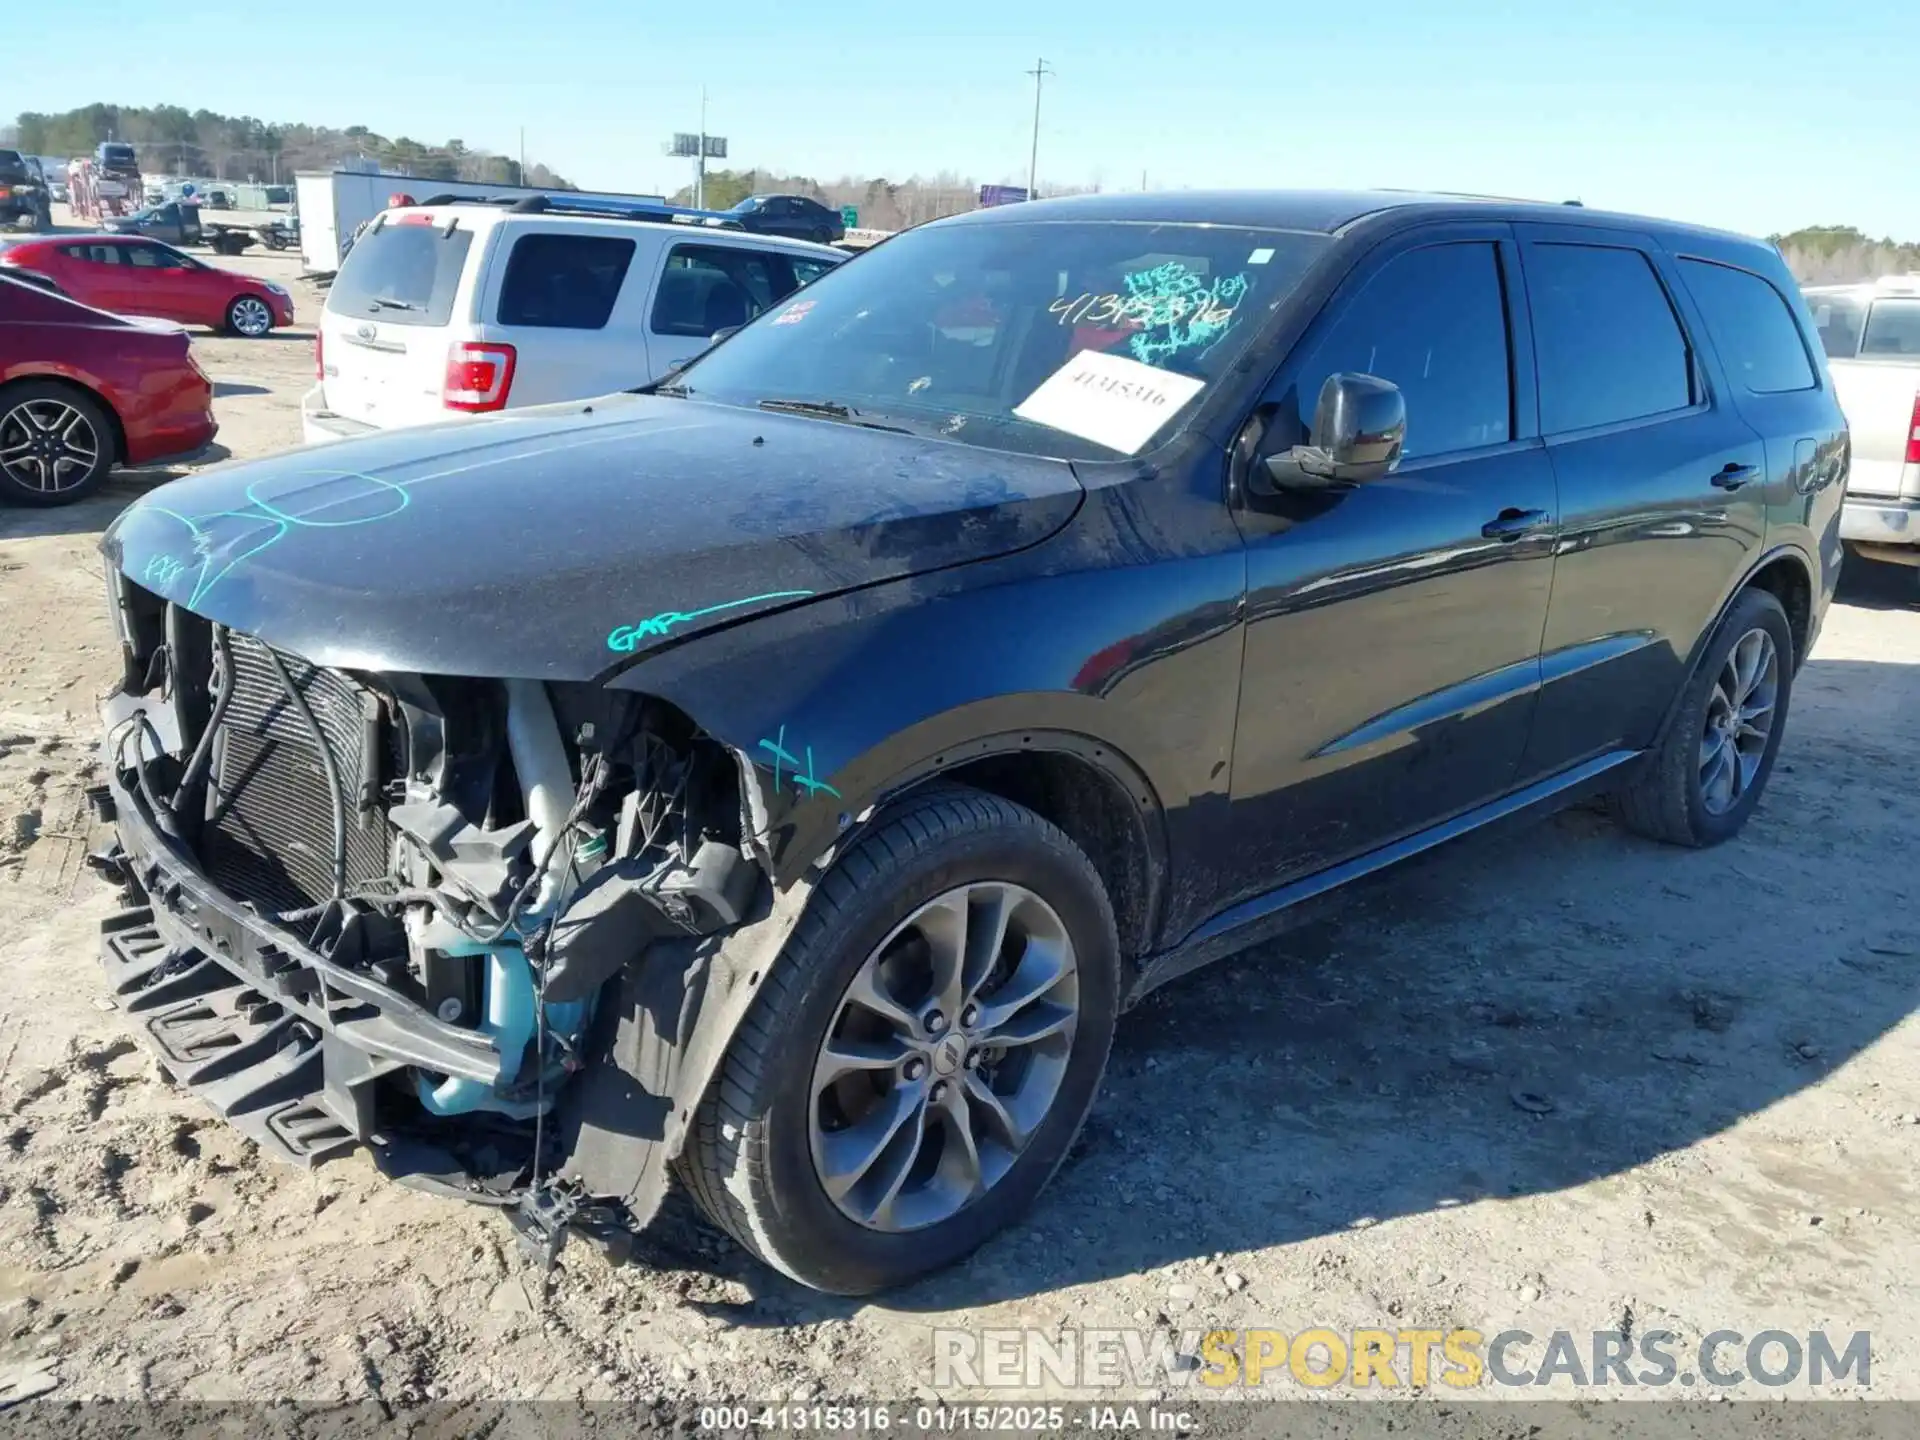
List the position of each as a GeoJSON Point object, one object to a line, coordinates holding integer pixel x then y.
{"type": "Point", "coordinates": [380, 302]}
{"type": "Point", "coordinates": [828, 410]}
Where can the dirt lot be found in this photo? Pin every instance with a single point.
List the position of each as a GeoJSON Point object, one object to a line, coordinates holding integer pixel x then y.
{"type": "Point", "coordinates": [1564, 1080]}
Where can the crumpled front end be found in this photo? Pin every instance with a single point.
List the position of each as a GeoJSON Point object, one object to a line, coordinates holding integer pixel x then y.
{"type": "Point", "coordinates": [382, 909]}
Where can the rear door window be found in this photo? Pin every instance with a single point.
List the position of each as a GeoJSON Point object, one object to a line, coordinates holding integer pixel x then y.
{"type": "Point", "coordinates": [95, 254]}
{"type": "Point", "coordinates": [563, 282]}
{"type": "Point", "coordinates": [402, 273]}
{"type": "Point", "coordinates": [1432, 321]}
{"type": "Point", "coordinates": [1754, 330]}
{"type": "Point", "coordinates": [1608, 345]}
{"type": "Point", "coordinates": [1893, 331]}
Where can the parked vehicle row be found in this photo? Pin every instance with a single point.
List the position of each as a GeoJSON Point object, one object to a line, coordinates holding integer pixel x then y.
{"type": "Point", "coordinates": [846, 728]}
{"type": "Point", "coordinates": [82, 391]}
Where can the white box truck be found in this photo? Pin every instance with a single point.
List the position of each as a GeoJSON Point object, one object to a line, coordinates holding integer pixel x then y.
{"type": "Point", "coordinates": [331, 204]}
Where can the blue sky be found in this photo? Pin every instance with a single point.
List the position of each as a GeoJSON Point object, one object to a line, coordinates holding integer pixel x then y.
{"type": "Point", "coordinates": [1760, 116]}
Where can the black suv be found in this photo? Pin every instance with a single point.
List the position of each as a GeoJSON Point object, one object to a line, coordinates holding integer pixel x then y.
{"type": "Point", "coordinates": [785, 776]}
{"type": "Point", "coordinates": [796, 216]}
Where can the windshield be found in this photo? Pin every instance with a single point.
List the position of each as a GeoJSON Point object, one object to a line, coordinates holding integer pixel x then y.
{"type": "Point", "coordinates": [1076, 339]}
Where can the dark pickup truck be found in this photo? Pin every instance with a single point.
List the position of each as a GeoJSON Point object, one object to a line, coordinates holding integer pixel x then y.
{"type": "Point", "coordinates": [23, 192]}
{"type": "Point", "coordinates": [179, 224]}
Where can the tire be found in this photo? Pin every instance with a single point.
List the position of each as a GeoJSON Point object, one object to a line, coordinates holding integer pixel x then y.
{"type": "Point", "coordinates": [36, 472]}
{"type": "Point", "coordinates": [751, 1160]}
{"type": "Point", "coordinates": [1674, 797]}
{"type": "Point", "coordinates": [822, 237]}
{"type": "Point", "coordinates": [249, 317]}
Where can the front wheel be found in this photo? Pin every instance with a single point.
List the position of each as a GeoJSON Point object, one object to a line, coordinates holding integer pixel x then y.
{"type": "Point", "coordinates": [1705, 777]}
{"type": "Point", "coordinates": [249, 316]}
{"type": "Point", "coordinates": [922, 1054]}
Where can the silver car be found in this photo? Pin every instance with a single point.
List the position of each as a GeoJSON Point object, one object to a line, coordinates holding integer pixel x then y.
{"type": "Point", "coordinates": [1871, 333]}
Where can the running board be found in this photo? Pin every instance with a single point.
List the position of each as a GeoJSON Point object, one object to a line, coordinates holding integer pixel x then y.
{"type": "Point", "coordinates": [1252, 921]}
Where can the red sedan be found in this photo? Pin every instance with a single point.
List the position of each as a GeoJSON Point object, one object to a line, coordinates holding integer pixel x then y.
{"type": "Point", "coordinates": [82, 391]}
{"type": "Point", "coordinates": [132, 276]}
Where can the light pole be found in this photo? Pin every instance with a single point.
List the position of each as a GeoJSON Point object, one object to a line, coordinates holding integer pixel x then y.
{"type": "Point", "coordinates": [1039, 72]}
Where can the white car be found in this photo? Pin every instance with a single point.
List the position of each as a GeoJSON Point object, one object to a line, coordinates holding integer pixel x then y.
{"type": "Point", "coordinates": [1871, 334]}
{"type": "Point", "coordinates": [441, 310]}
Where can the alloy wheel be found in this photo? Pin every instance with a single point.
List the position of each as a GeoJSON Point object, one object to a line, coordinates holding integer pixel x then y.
{"type": "Point", "coordinates": [1739, 722]}
{"type": "Point", "coordinates": [945, 1057]}
{"type": "Point", "coordinates": [47, 445]}
{"type": "Point", "coordinates": [251, 317]}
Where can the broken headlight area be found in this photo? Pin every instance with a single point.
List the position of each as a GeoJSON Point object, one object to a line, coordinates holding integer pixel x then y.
{"type": "Point", "coordinates": [381, 908]}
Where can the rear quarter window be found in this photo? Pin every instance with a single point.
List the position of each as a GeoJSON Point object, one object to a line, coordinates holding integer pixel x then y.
{"type": "Point", "coordinates": [402, 273]}
{"type": "Point", "coordinates": [1752, 327]}
{"type": "Point", "coordinates": [563, 282]}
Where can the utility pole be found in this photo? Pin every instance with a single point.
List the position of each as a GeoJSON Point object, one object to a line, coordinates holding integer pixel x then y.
{"type": "Point", "coordinates": [523, 155]}
{"type": "Point", "coordinates": [700, 165]}
{"type": "Point", "coordinates": [1039, 72]}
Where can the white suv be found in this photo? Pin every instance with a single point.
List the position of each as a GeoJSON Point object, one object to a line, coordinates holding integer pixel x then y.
{"type": "Point", "coordinates": [465, 308]}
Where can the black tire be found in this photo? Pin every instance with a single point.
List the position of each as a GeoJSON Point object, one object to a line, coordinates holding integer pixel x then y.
{"type": "Point", "coordinates": [822, 237]}
{"type": "Point", "coordinates": [1666, 800]}
{"type": "Point", "coordinates": [747, 1160]}
{"type": "Point", "coordinates": [93, 412]}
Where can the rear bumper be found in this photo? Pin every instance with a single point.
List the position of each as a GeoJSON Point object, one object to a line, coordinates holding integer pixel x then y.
{"type": "Point", "coordinates": [276, 1037]}
{"type": "Point", "coordinates": [319, 425]}
{"type": "Point", "coordinates": [1880, 522]}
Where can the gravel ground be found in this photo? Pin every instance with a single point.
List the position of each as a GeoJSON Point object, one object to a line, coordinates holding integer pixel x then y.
{"type": "Point", "coordinates": [1562, 1080]}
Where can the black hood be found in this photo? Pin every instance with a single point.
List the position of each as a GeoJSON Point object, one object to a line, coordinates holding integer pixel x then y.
{"type": "Point", "coordinates": [556, 543]}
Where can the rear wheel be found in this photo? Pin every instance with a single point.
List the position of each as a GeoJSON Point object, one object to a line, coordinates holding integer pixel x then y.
{"type": "Point", "coordinates": [922, 1054]}
{"type": "Point", "coordinates": [249, 316]}
{"type": "Point", "coordinates": [56, 443]}
{"type": "Point", "coordinates": [1706, 776]}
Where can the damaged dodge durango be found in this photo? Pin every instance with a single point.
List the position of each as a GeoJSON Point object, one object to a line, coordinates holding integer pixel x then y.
{"type": "Point", "coordinates": [776, 781]}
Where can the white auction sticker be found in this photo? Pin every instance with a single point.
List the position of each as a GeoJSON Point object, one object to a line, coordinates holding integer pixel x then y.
{"type": "Point", "coordinates": [1109, 399]}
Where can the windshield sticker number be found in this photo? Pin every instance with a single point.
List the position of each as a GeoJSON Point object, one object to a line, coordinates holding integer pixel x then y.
{"type": "Point", "coordinates": [794, 313]}
{"type": "Point", "coordinates": [1109, 399]}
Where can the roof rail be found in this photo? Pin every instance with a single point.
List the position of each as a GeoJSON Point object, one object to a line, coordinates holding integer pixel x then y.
{"type": "Point", "coordinates": [590, 209]}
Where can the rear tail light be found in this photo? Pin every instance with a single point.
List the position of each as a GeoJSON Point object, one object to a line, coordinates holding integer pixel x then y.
{"type": "Point", "coordinates": [478, 376]}
{"type": "Point", "coordinates": [319, 354]}
{"type": "Point", "coordinates": [1913, 433]}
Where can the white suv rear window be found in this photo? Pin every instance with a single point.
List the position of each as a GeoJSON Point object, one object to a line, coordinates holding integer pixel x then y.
{"type": "Point", "coordinates": [402, 273]}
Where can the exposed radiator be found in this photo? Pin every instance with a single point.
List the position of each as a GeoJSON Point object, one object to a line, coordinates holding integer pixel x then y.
{"type": "Point", "coordinates": [271, 836]}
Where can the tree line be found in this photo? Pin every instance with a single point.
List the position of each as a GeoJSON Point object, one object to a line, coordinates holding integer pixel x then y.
{"type": "Point", "coordinates": [171, 139]}
{"type": "Point", "coordinates": [1837, 254]}
{"type": "Point", "coordinates": [883, 204]}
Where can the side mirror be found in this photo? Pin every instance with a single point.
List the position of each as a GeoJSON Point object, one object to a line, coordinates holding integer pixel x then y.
{"type": "Point", "coordinates": [1359, 427]}
{"type": "Point", "coordinates": [721, 334]}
